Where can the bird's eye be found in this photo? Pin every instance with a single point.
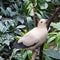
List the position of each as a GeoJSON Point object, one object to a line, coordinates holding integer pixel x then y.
{"type": "Point", "coordinates": [41, 22]}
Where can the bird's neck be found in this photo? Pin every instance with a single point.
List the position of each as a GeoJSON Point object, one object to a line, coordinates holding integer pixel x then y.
{"type": "Point", "coordinates": [41, 26]}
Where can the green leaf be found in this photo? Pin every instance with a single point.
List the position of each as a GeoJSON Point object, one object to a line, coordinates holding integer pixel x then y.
{"type": "Point", "coordinates": [47, 58]}
{"type": "Point", "coordinates": [20, 26]}
{"type": "Point", "coordinates": [48, 0]}
{"type": "Point", "coordinates": [15, 6]}
{"type": "Point", "coordinates": [52, 53]}
{"type": "Point", "coordinates": [17, 31]}
{"type": "Point", "coordinates": [3, 11]}
{"type": "Point", "coordinates": [2, 27]}
{"type": "Point", "coordinates": [20, 20]}
{"type": "Point", "coordinates": [29, 54]}
{"type": "Point", "coordinates": [44, 6]}
{"type": "Point", "coordinates": [56, 25]}
{"type": "Point", "coordinates": [51, 39]}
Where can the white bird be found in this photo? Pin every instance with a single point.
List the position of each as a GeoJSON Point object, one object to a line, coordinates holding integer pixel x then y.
{"type": "Point", "coordinates": [34, 38]}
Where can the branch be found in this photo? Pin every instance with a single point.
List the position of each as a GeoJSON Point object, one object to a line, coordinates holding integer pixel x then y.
{"type": "Point", "coordinates": [53, 16]}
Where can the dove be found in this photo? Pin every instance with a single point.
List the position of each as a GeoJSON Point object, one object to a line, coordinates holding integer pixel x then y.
{"type": "Point", "coordinates": [34, 38]}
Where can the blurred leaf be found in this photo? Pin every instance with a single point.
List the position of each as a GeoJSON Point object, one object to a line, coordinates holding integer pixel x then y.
{"type": "Point", "coordinates": [56, 25]}
{"type": "Point", "coordinates": [21, 20]}
{"type": "Point", "coordinates": [27, 53]}
{"type": "Point", "coordinates": [51, 39]}
{"type": "Point", "coordinates": [48, 0]}
{"type": "Point", "coordinates": [1, 58]}
{"type": "Point", "coordinates": [17, 31]}
{"type": "Point", "coordinates": [52, 53]}
{"type": "Point", "coordinates": [44, 6]}
{"type": "Point", "coordinates": [17, 37]}
{"type": "Point", "coordinates": [2, 27]}
{"type": "Point", "coordinates": [15, 6]}
{"type": "Point", "coordinates": [20, 26]}
{"type": "Point", "coordinates": [47, 58]}
{"type": "Point", "coordinates": [0, 17]}
{"type": "Point", "coordinates": [3, 11]}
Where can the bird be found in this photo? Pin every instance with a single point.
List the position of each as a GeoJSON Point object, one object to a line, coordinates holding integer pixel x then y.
{"type": "Point", "coordinates": [34, 38]}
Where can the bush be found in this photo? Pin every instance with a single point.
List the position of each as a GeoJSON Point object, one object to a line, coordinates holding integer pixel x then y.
{"type": "Point", "coordinates": [17, 18]}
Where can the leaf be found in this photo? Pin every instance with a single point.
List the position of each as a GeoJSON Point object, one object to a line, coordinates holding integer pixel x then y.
{"type": "Point", "coordinates": [3, 11]}
{"type": "Point", "coordinates": [7, 42]}
{"type": "Point", "coordinates": [21, 20]}
{"type": "Point", "coordinates": [56, 25]}
{"type": "Point", "coordinates": [9, 10]}
{"type": "Point", "coordinates": [24, 55]}
{"type": "Point", "coordinates": [0, 17]}
{"type": "Point", "coordinates": [30, 9]}
{"type": "Point", "coordinates": [51, 39]}
{"type": "Point", "coordinates": [15, 6]}
{"type": "Point", "coordinates": [2, 27]}
{"type": "Point", "coordinates": [17, 31]}
{"type": "Point", "coordinates": [44, 6]}
{"type": "Point", "coordinates": [30, 23]}
{"type": "Point", "coordinates": [1, 47]}
{"type": "Point", "coordinates": [1, 58]}
{"type": "Point", "coordinates": [52, 53]}
{"type": "Point", "coordinates": [29, 54]}
{"type": "Point", "coordinates": [21, 26]}
{"type": "Point", "coordinates": [47, 58]}
{"type": "Point", "coordinates": [39, 16]}
{"type": "Point", "coordinates": [16, 55]}
{"type": "Point", "coordinates": [48, 0]}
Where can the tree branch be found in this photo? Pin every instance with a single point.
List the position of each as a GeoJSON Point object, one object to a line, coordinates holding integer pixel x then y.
{"type": "Point", "coordinates": [53, 16]}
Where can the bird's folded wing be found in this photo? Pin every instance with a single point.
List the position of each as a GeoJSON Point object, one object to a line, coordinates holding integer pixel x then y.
{"type": "Point", "coordinates": [21, 45]}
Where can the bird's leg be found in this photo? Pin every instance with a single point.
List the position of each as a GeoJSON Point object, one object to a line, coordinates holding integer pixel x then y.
{"type": "Point", "coordinates": [41, 52]}
{"type": "Point", "coordinates": [34, 55]}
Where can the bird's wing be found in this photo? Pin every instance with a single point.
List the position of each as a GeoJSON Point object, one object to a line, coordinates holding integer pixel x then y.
{"type": "Point", "coordinates": [29, 38]}
{"type": "Point", "coordinates": [21, 45]}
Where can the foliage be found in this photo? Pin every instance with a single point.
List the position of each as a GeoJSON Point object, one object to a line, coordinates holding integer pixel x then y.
{"type": "Point", "coordinates": [16, 19]}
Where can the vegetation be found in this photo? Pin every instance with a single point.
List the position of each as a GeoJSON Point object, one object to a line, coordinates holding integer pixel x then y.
{"type": "Point", "coordinates": [17, 18]}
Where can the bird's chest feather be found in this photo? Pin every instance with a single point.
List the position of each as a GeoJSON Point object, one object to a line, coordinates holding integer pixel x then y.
{"type": "Point", "coordinates": [40, 33]}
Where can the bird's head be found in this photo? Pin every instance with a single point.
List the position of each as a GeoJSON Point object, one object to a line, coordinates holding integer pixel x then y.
{"type": "Point", "coordinates": [42, 23]}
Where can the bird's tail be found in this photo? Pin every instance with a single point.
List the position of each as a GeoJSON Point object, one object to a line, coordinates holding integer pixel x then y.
{"type": "Point", "coordinates": [17, 45]}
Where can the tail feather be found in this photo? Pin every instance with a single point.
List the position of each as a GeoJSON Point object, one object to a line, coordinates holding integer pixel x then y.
{"type": "Point", "coordinates": [18, 45]}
